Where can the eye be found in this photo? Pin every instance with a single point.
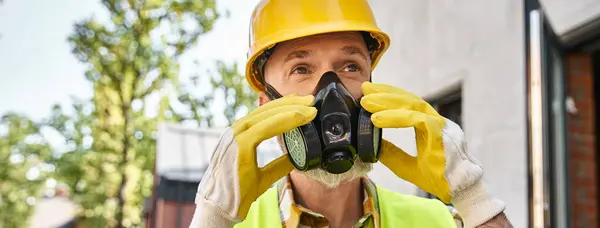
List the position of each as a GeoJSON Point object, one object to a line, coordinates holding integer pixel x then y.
{"type": "Point", "coordinates": [301, 70]}
{"type": "Point", "coordinates": [353, 67]}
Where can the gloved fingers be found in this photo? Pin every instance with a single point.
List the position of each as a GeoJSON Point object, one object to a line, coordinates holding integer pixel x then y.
{"type": "Point", "coordinates": [274, 171]}
{"type": "Point", "coordinates": [370, 88]}
{"type": "Point", "coordinates": [292, 99]}
{"type": "Point", "coordinates": [376, 102]}
{"type": "Point", "coordinates": [245, 123]}
{"type": "Point", "coordinates": [401, 118]}
{"type": "Point", "coordinates": [398, 161]}
{"type": "Point", "coordinates": [275, 125]}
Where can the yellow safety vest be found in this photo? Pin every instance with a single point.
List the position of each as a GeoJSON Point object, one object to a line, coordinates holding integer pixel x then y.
{"type": "Point", "coordinates": [396, 210]}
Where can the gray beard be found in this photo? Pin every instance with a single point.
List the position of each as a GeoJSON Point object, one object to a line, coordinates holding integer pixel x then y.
{"type": "Point", "coordinates": [330, 180]}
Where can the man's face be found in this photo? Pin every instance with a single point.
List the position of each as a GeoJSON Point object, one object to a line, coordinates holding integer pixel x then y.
{"type": "Point", "coordinates": [296, 66]}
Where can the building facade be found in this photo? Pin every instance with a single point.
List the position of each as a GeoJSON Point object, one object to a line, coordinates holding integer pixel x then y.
{"type": "Point", "coordinates": [519, 77]}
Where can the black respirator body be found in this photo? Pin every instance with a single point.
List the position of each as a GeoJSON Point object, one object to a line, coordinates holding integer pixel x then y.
{"type": "Point", "coordinates": [341, 131]}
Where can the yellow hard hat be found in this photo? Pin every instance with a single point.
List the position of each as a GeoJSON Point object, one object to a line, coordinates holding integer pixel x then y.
{"type": "Point", "coordinates": [275, 21]}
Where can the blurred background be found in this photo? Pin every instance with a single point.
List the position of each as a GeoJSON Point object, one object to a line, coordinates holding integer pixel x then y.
{"type": "Point", "coordinates": [110, 109]}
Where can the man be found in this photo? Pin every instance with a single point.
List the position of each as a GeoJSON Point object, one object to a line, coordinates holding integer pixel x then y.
{"type": "Point", "coordinates": [293, 43]}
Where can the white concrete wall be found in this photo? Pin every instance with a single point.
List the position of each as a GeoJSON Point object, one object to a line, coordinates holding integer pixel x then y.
{"type": "Point", "coordinates": [565, 15]}
{"type": "Point", "coordinates": [437, 45]}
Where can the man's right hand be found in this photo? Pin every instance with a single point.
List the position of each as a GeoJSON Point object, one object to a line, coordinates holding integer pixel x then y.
{"type": "Point", "coordinates": [233, 180]}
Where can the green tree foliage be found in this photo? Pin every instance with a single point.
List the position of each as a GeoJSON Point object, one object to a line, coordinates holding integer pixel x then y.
{"type": "Point", "coordinates": [91, 172]}
{"type": "Point", "coordinates": [76, 131]}
{"type": "Point", "coordinates": [235, 96]}
{"type": "Point", "coordinates": [130, 58]}
{"type": "Point", "coordinates": [22, 170]}
{"type": "Point", "coordinates": [239, 98]}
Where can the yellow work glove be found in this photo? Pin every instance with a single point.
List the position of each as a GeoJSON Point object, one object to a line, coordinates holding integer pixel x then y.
{"type": "Point", "coordinates": [442, 166]}
{"type": "Point", "coordinates": [233, 180]}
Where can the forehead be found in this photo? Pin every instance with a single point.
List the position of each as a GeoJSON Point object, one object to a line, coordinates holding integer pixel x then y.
{"type": "Point", "coordinates": [328, 40]}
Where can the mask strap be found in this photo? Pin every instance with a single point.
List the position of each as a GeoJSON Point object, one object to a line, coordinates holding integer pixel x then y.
{"type": "Point", "coordinates": [272, 92]}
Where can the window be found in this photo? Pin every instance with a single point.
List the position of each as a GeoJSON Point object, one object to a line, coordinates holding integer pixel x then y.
{"type": "Point", "coordinates": [450, 107]}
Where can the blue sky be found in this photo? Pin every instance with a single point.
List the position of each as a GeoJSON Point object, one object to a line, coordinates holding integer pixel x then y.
{"type": "Point", "coordinates": [38, 70]}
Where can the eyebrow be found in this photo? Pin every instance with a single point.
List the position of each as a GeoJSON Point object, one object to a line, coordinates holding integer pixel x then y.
{"type": "Point", "coordinates": [297, 54]}
{"type": "Point", "coordinates": [352, 50]}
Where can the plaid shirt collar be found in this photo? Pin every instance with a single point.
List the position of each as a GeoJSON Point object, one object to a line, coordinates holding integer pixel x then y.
{"type": "Point", "coordinates": [295, 215]}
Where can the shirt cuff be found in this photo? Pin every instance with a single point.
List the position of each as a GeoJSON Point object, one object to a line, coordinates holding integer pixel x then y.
{"type": "Point", "coordinates": [208, 215]}
{"type": "Point", "coordinates": [477, 205]}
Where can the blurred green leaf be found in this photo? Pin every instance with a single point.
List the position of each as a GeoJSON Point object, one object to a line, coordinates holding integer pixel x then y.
{"type": "Point", "coordinates": [22, 152]}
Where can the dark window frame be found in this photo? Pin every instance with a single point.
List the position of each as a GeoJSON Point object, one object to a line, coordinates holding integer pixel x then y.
{"type": "Point", "coordinates": [542, 42]}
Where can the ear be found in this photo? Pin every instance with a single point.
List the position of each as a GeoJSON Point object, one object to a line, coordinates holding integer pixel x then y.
{"type": "Point", "coordinates": [262, 98]}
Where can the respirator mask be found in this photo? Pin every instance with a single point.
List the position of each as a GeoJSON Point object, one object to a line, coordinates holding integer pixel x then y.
{"type": "Point", "coordinates": [341, 131]}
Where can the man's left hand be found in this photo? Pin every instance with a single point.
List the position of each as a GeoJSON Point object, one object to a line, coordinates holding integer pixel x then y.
{"type": "Point", "coordinates": [442, 166]}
